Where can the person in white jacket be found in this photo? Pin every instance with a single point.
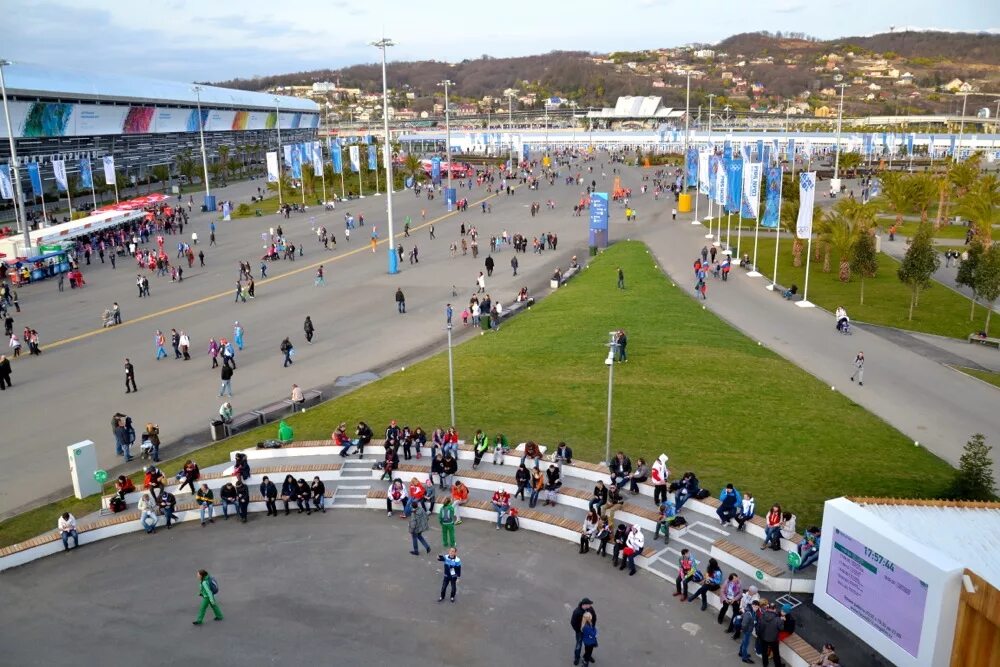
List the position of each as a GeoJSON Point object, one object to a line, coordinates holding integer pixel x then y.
{"type": "Point", "coordinates": [658, 476]}
{"type": "Point", "coordinates": [147, 513]}
{"type": "Point", "coordinates": [634, 544]}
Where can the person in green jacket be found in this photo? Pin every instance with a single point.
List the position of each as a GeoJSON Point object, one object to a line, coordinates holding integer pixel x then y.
{"type": "Point", "coordinates": [480, 444]}
{"type": "Point", "coordinates": [446, 516]}
{"type": "Point", "coordinates": [207, 598]}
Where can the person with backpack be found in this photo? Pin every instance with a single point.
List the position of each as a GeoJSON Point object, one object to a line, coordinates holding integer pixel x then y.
{"type": "Point", "coordinates": [288, 350]}
{"type": "Point", "coordinates": [208, 588]}
{"type": "Point", "coordinates": [446, 517]}
{"type": "Point", "coordinates": [501, 504]}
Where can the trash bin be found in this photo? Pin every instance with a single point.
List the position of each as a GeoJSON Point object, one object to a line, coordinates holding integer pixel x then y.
{"type": "Point", "coordinates": [220, 429]}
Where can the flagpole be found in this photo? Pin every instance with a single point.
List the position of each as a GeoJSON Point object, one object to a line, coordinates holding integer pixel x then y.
{"type": "Point", "coordinates": [45, 215]}
{"type": "Point", "coordinates": [377, 192]}
{"type": "Point", "coordinates": [805, 292]}
{"type": "Point", "coordinates": [729, 246]}
{"type": "Point", "coordinates": [777, 236]}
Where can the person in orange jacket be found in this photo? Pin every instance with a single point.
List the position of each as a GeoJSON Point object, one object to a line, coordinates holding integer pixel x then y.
{"type": "Point", "coordinates": [459, 496]}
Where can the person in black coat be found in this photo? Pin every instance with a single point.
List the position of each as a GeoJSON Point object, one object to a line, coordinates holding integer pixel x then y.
{"type": "Point", "coordinates": [304, 495]}
{"type": "Point", "coordinates": [621, 469]}
{"type": "Point", "coordinates": [318, 490]}
{"type": "Point", "coordinates": [228, 495]}
{"type": "Point", "coordinates": [450, 466]}
{"type": "Point", "coordinates": [270, 492]}
{"type": "Point", "coordinates": [289, 491]}
{"type": "Point", "coordinates": [365, 435]}
{"type": "Point", "coordinates": [621, 535]}
{"type": "Point", "coordinates": [437, 468]}
{"type": "Point", "coordinates": [4, 372]}
{"type": "Point", "coordinates": [523, 478]}
{"type": "Point", "coordinates": [576, 621]}
{"type": "Point", "coordinates": [242, 499]}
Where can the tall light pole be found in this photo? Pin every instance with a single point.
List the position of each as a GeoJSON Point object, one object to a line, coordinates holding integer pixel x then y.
{"type": "Point", "coordinates": [201, 137]}
{"type": "Point", "coordinates": [447, 136]}
{"type": "Point", "coordinates": [711, 176]}
{"type": "Point", "coordinates": [19, 216]}
{"type": "Point", "coordinates": [451, 377]}
{"type": "Point", "coordinates": [835, 183]}
{"type": "Point", "coordinates": [687, 126]}
{"type": "Point", "coordinates": [610, 362]}
{"type": "Point", "coordinates": [572, 106]}
{"type": "Point", "coordinates": [277, 126]}
{"type": "Point", "coordinates": [511, 92]}
{"type": "Point", "coordinates": [961, 123]}
{"type": "Point", "coordinates": [383, 44]}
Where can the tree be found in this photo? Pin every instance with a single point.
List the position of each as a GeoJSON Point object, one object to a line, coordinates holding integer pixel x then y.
{"type": "Point", "coordinates": [185, 164]}
{"type": "Point", "coordinates": [224, 160]}
{"type": "Point", "coordinates": [413, 168]}
{"type": "Point", "coordinates": [919, 264]}
{"type": "Point", "coordinates": [967, 271]}
{"type": "Point", "coordinates": [896, 194]}
{"type": "Point", "coordinates": [981, 205]}
{"type": "Point", "coordinates": [864, 260]}
{"type": "Point", "coordinates": [974, 478]}
{"type": "Point", "coordinates": [850, 162]}
{"type": "Point", "coordinates": [923, 191]}
{"type": "Point", "coordinates": [988, 280]}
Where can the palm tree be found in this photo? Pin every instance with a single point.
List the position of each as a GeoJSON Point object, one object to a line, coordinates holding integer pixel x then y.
{"type": "Point", "coordinates": [185, 164]}
{"type": "Point", "coordinates": [981, 205]}
{"type": "Point", "coordinates": [924, 189]}
{"type": "Point", "coordinates": [413, 167]}
{"type": "Point", "coordinates": [960, 176]}
{"type": "Point", "coordinates": [896, 194]}
{"type": "Point", "coordinates": [224, 160]}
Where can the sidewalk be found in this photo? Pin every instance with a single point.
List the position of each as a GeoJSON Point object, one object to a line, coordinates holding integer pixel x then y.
{"type": "Point", "coordinates": [925, 400]}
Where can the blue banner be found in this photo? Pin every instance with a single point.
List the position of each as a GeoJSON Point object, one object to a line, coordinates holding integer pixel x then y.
{"type": "Point", "coordinates": [790, 150]}
{"type": "Point", "coordinates": [868, 144]}
{"type": "Point", "coordinates": [296, 162]}
{"type": "Point", "coordinates": [692, 167]}
{"type": "Point", "coordinates": [372, 158]}
{"type": "Point", "coordinates": [6, 186]}
{"type": "Point", "coordinates": [772, 198]}
{"type": "Point", "coordinates": [304, 154]}
{"type": "Point", "coordinates": [86, 173]}
{"type": "Point", "coordinates": [599, 219]}
{"type": "Point", "coordinates": [909, 144]}
{"type": "Point", "coordinates": [524, 152]}
{"type": "Point", "coordinates": [767, 155]}
{"type": "Point", "coordinates": [435, 169]}
{"type": "Point", "coordinates": [951, 147]}
{"type": "Point", "coordinates": [336, 155]}
{"type": "Point", "coordinates": [885, 141]}
{"type": "Point", "coordinates": [36, 179]}
{"type": "Point", "coordinates": [727, 150]}
{"type": "Point", "coordinates": [734, 179]}
{"type": "Point", "coordinates": [760, 150]}
{"type": "Point", "coordinates": [714, 165]}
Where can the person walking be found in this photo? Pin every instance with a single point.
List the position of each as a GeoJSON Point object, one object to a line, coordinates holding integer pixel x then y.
{"type": "Point", "coordinates": [288, 350]}
{"type": "Point", "coordinates": [400, 301]}
{"type": "Point", "coordinates": [621, 278]}
{"type": "Point", "coordinates": [446, 517]}
{"type": "Point", "coordinates": [238, 335]}
{"type": "Point", "coordinates": [309, 330]}
{"type": "Point", "coordinates": [489, 265]}
{"type": "Point", "coordinates": [159, 341]}
{"type": "Point", "coordinates": [586, 606]}
{"type": "Point", "coordinates": [130, 377]}
{"type": "Point", "coordinates": [418, 525]}
{"type": "Point", "coordinates": [452, 572]}
{"type": "Point", "coordinates": [859, 369]}
{"type": "Point", "coordinates": [227, 381]}
{"type": "Point", "coordinates": [319, 277]}
{"type": "Point", "coordinates": [746, 623]}
{"type": "Point", "coordinates": [4, 372]}
{"type": "Point", "coordinates": [239, 292]}
{"type": "Point", "coordinates": [208, 588]}
{"type": "Point", "coordinates": [513, 264]}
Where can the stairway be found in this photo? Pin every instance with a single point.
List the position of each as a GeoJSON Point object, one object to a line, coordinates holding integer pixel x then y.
{"type": "Point", "coordinates": [355, 482]}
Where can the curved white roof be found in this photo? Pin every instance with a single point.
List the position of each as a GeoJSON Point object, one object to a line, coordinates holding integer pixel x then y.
{"type": "Point", "coordinates": [27, 80]}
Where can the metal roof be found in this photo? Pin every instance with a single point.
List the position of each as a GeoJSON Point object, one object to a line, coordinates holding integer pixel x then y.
{"type": "Point", "coordinates": [967, 532]}
{"type": "Point", "coordinates": [28, 80]}
{"type": "Point", "coordinates": [637, 107]}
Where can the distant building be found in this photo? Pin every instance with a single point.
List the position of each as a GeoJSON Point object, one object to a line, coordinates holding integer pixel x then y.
{"type": "Point", "coordinates": [554, 102]}
{"type": "Point", "coordinates": [823, 112]}
{"type": "Point", "coordinates": [644, 111]}
{"type": "Point", "coordinates": [704, 54]}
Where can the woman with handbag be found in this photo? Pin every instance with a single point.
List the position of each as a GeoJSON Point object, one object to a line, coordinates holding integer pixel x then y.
{"type": "Point", "coordinates": [588, 531]}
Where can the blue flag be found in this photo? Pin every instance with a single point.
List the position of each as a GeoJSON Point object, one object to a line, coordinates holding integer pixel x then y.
{"type": "Point", "coordinates": [692, 167]}
{"type": "Point", "coordinates": [36, 179]}
{"type": "Point", "coordinates": [734, 180]}
{"type": "Point", "coordinates": [336, 156]}
{"type": "Point", "coordinates": [296, 162]}
{"type": "Point", "coordinates": [372, 158]}
{"type": "Point", "coordinates": [790, 150]}
{"type": "Point", "coordinates": [727, 150]}
{"type": "Point", "coordinates": [86, 173]}
{"type": "Point", "coordinates": [772, 198]}
{"type": "Point", "coordinates": [951, 148]}
{"type": "Point", "coordinates": [436, 169]}
{"type": "Point", "coordinates": [760, 150]}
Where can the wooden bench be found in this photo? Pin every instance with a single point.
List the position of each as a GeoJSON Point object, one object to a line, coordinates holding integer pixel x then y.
{"type": "Point", "coordinates": [271, 412]}
{"type": "Point", "coordinates": [750, 558]}
{"type": "Point", "coordinates": [801, 648]}
{"type": "Point", "coordinates": [244, 421]}
{"type": "Point", "coordinates": [985, 340]}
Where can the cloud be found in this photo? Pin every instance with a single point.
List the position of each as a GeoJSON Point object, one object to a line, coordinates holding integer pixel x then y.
{"type": "Point", "coordinates": [789, 6]}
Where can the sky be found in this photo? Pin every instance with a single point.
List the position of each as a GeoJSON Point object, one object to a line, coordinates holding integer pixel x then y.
{"type": "Point", "coordinates": [213, 40]}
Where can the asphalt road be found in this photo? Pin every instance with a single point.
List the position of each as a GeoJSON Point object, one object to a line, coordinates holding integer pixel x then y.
{"type": "Point", "coordinates": [70, 392]}
{"type": "Point", "coordinates": [341, 589]}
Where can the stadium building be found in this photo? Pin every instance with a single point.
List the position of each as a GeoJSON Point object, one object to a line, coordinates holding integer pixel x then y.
{"type": "Point", "coordinates": [142, 123]}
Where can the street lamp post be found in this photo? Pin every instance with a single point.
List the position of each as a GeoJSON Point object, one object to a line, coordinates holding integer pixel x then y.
{"type": "Point", "coordinates": [511, 92]}
{"type": "Point", "coordinates": [382, 45]}
{"type": "Point", "coordinates": [447, 142]}
{"type": "Point", "coordinates": [573, 105]}
{"type": "Point", "coordinates": [835, 183]}
{"type": "Point", "coordinates": [610, 361]}
{"type": "Point", "coordinates": [711, 97]}
{"type": "Point", "coordinates": [451, 377]}
{"type": "Point", "coordinates": [277, 126]}
{"type": "Point", "coordinates": [204, 156]}
{"type": "Point", "coordinates": [19, 216]}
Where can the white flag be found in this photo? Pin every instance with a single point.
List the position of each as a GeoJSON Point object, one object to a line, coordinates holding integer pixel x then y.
{"type": "Point", "coordinates": [751, 190]}
{"type": "Point", "coordinates": [355, 158]}
{"type": "Point", "coordinates": [807, 197]}
{"type": "Point", "coordinates": [317, 158]}
{"type": "Point", "coordinates": [703, 172]}
{"type": "Point", "coordinates": [109, 169]}
{"type": "Point", "coordinates": [6, 187]}
{"type": "Point", "coordinates": [721, 184]}
{"type": "Point", "coordinates": [59, 170]}
{"type": "Point", "coordinates": [272, 166]}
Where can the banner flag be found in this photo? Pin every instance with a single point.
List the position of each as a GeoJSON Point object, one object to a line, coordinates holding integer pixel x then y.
{"type": "Point", "coordinates": [775, 149]}
{"type": "Point", "coordinates": [296, 162]}
{"type": "Point", "coordinates": [909, 144]}
{"type": "Point", "coordinates": [951, 149]}
{"type": "Point", "coordinates": [372, 158]}
{"type": "Point", "coordinates": [227, 213]}
{"type": "Point", "coordinates": [807, 198]}
{"type": "Point", "coordinates": [751, 190]}
{"type": "Point", "coordinates": [306, 153]}
{"type": "Point", "coordinates": [714, 165]}
{"type": "Point", "coordinates": [703, 177]}
{"type": "Point", "coordinates": [86, 174]}
{"type": "Point", "coordinates": [790, 150]}
{"type": "Point", "coordinates": [692, 167]}
{"type": "Point", "coordinates": [364, 140]}
{"type": "Point", "coordinates": [772, 198]}
{"type": "Point", "coordinates": [734, 179]}
{"type": "Point", "coordinates": [6, 188]}
{"type": "Point", "coordinates": [109, 170]}
{"type": "Point", "coordinates": [317, 158]}
{"type": "Point", "coordinates": [930, 145]}
{"type": "Point", "coordinates": [435, 169]}
{"type": "Point", "coordinates": [272, 166]}
{"type": "Point", "coordinates": [59, 171]}
{"type": "Point", "coordinates": [721, 184]}
{"type": "Point", "coordinates": [355, 158]}
{"type": "Point", "coordinates": [287, 150]}
{"type": "Point", "coordinates": [36, 179]}
{"type": "Point", "coordinates": [760, 150]}
{"type": "Point", "coordinates": [767, 155]}
{"type": "Point", "coordinates": [337, 156]}
{"type": "Point", "coordinates": [727, 149]}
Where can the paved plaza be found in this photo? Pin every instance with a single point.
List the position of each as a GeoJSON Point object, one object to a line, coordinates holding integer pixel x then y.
{"type": "Point", "coordinates": [341, 589]}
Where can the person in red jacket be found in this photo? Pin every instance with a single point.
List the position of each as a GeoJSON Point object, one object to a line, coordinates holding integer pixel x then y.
{"type": "Point", "coordinates": [501, 503]}
{"type": "Point", "coordinates": [417, 492]}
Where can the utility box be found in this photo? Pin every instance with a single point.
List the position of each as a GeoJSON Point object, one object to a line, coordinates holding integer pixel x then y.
{"type": "Point", "coordinates": [82, 464]}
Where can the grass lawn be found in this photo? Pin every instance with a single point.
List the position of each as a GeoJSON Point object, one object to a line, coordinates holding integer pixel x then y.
{"type": "Point", "coordinates": [985, 376]}
{"type": "Point", "coordinates": [712, 399]}
{"type": "Point", "coordinates": [941, 310]}
{"type": "Point", "coordinates": [909, 228]}
{"type": "Point", "coordinates": [267, 207]}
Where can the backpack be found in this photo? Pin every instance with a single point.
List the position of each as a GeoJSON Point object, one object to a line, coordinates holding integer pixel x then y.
{"type": "Point", "coordinates": [678, 522]}
{"type": "Point", "coordinates": [702, 494]}
{"type": "Point", "coordinates": [511, 523]}
{"type": "Point", "coordinates": [213, 585]}
{"type": "Point", "coordinates": [116, 505]}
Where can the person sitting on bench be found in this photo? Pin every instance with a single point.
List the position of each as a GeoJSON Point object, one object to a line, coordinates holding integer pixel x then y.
{"type": "Point", "coordinates": [790, 292]}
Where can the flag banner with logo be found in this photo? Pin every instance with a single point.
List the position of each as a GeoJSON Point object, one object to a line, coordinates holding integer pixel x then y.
{"type": "Point", "coordinates": [772, 198]}
{"type": "Point", "coordinates": [36, 179]}
{"type": "Point", "coordinates": [751, 190]}
{"type": "Point", "coordinates": [372, 158]}
{"type": "Point", "coordinates": [86, 173]}
{"type": "Point", "coordinates": [6, 188]}
{"type": "Point", "coordinates": [272, 167]}
{"type": "Point", "coordinates": [109, 170]}
{"type": "Point", "coordinates": [59, 171]}
{"type": "Point", "coordinates": [703, 176]}
{"type": "Point", "coordinates": [354, 156]}
{"type": "Point", "coordinates": [692, 167]}
{"type": "Point", "coordinates": [337, 156]}
{"type": "Point", "coordinates": [734, 180]}
{"type": "Point", "coordinates": [807, 199]}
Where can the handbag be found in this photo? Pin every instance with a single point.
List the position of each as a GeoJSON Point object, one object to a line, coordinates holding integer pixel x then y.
{"type": "Point", "coordinates": [628, 551]}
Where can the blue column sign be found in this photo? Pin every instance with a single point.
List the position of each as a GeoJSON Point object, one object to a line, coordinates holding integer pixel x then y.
{"type": "Point", "coordinates": [599, 220]}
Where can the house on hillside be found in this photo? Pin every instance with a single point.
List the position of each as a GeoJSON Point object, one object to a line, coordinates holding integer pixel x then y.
{"type": "Point", "coordinates": [554, 102]}
{"type": "Point", "coordinates": [823, 112]}
{"type": "Point", "coordinates": [704, 54]}
{"type": "Point", "coordinates": [953, 86]}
